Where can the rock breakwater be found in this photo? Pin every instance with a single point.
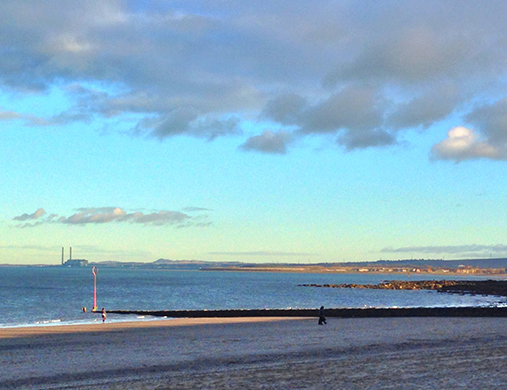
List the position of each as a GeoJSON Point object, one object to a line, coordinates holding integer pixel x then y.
{"type": "Point", "coordinates": [482, 287]}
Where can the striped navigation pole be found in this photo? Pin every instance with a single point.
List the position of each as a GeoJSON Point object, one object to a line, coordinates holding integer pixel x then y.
{"type": "Point", "coordinates": [94, 271]}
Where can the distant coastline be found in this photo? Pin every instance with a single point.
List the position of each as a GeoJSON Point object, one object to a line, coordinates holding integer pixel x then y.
{"type": "Point", "coordinates": [496, 267]}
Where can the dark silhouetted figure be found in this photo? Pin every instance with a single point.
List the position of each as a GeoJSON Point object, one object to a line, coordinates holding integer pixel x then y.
{"type": "Point", "coordinates": [322, 319]}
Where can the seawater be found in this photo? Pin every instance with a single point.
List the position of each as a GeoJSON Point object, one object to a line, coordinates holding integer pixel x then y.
{"type": "Point", "coordinates": [56, 295]}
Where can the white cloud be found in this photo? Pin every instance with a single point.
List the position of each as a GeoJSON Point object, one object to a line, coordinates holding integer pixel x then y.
{"type": "Point", "coordinates": [25, 217]}
{"type": "Point", "coordinates": [425, 110]}
{"type": "Point", "coordinates": [195, 209]}
{"type": "Point", "coordinates": [104, 215]}
{"type": "Point", "coordinates": [492, 120]}
{"type": "Point", "coordinates": [285, 109]}
{"type": "Point", "coordinates": [462, 144]}
{"type": "Point", "coordinates": [69, 43]}
{"type": "Point", "coordinates": [359, 71]}
{"type": "Point", "coordinates": [9, 115]}
{"type": "Point", "coordinates": [99, 216]}
{"type": "Point", "coordinates": [366, 139]}
{"type": "Point", "coordinates": [186, 121]}
{"type": "Point", "coordinates": [268, 142]}
{"type": "Point", "coordinates": [451, 249]}
{"type": "Point", "coordinates": [354, 114]}
{"type": "Point", "coordinates": [355, 108]}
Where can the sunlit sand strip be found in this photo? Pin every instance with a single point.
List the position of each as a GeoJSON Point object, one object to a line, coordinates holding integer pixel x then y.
{"type": "Point", "coordinates": [113, 326]}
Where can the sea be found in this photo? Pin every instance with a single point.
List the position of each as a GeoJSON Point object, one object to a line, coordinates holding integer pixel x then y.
{"type": "Point", "coordinates": [34, 296]}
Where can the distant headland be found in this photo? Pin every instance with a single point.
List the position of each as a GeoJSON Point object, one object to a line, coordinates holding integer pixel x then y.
{"type": "Point", "coordinates": [497, 266]}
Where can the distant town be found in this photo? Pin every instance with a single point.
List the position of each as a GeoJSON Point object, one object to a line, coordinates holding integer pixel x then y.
{"type": "Point", "coordinates": [384, 269]}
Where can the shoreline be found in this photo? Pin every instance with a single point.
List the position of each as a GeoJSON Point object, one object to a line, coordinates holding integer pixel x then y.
{"type": "Point", "coordinates": [237, 316]}
{"type": "Point", "coordinates": [152, 318]}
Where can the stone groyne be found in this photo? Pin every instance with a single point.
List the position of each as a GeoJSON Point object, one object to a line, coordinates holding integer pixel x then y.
{"type": "Point", "coordinates": [482, 287]}
{"type": "Point", "coordinates": [329, 312]}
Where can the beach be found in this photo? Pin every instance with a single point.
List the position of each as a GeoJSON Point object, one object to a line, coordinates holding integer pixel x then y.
{"type": "Point", "coordinates": [269, 353]}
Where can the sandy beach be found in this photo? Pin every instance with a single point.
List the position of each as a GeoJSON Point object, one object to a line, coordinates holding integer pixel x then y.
{"type": "Point", "coordinates": [254, 353]}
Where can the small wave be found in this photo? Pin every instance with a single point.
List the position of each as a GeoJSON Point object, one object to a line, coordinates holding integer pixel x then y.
{"type": "Point", "coordinates": [48, 322]}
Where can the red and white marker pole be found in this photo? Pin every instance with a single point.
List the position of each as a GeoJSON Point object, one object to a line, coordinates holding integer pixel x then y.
{"type": "Point", "coordinates": [94, 271]}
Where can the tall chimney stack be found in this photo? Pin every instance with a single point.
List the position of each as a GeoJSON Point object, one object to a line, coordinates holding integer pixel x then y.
{"type": "Point", "coordinates": [62, 255]}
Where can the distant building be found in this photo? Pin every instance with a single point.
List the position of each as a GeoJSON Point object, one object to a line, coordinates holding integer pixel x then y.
{"type": "Point", "coordinates": [71, 262]}
{"type": "Point", "coordinates": [76, 263]}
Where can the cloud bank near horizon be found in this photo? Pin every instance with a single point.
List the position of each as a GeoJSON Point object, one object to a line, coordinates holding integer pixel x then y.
{"type": "Point", "coordinates": [359, 73]}
{"type": "Point", "coordinates": [473, 249]}
{"type": "Point", "coordinates": [103, 215]}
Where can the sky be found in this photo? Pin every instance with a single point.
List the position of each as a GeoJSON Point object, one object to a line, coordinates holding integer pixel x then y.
{"type": "Point", "coordinates": [252, 131]}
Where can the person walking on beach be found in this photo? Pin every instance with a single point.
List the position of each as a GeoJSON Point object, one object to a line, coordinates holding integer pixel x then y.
{"type": "Point", "coordinates": [104, 315]}
{"type": "Point", "coordinates": [322, 319]}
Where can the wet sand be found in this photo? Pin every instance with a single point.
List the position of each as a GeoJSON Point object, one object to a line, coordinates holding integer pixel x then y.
{"type": "Point", "coordinates": [253, 353]}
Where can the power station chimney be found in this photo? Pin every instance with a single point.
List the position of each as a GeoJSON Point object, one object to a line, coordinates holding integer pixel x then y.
{"type": "Point", "coordinates": [70, 257]}
{"type": "Point", "coordinates": [62, 255]}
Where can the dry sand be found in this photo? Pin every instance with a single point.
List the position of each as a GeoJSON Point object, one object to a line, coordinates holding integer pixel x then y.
{"type": "Point", "coordinates": [365, 353]}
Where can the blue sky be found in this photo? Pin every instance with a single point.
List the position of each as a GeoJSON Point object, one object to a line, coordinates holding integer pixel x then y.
{"type": "Point", "coordinates": [252, 131]}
